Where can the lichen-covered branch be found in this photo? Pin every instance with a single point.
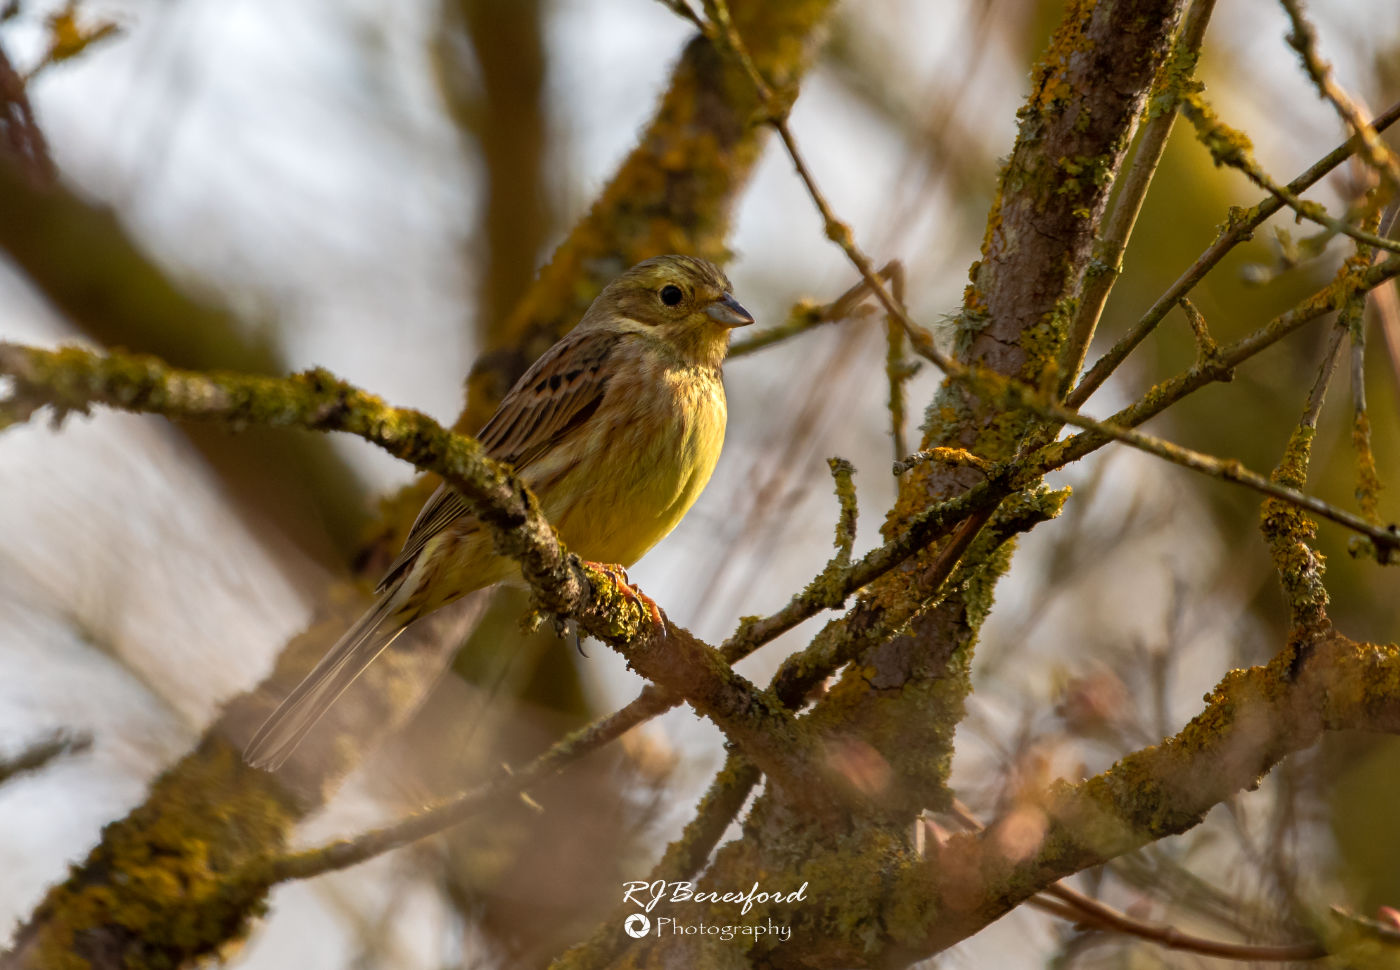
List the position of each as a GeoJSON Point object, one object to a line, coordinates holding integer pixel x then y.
{"type": "Point", "coordinates": [1238, 228]}
{"type": "Point", "coordinates": [1088, 93]}
{"type": "Point", "coordinates": [673, 193]}
{"type": "Point", "coordinates": [1303, 39]}
{"type": "Point", "coordinates": [1252, 720]}
{"type": "Point", "coordinates": [72, 379]}
{"type": "Point", "coordinates": [1231, 147]}
{"type": "Point", "coordinates": [1108, 254]}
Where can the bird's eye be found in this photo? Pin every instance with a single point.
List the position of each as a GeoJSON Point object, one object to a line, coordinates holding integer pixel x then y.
{"type": "Point", "coordinates": [671, 294]}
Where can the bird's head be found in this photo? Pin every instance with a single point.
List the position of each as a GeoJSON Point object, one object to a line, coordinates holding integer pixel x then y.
{"type": "Point", "coordinates": [682, 301]}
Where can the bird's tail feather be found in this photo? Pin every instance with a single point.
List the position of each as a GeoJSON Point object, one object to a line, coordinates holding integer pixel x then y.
{"type": "Point", "coordinates": [308, 702]}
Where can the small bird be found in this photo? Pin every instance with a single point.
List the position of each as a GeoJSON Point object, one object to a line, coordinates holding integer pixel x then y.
{"type": "Point", "coordinates": [616, 429]}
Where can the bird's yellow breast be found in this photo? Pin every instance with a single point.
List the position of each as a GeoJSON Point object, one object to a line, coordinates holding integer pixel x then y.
{"type": "Point", "coordinates": [648, 454]}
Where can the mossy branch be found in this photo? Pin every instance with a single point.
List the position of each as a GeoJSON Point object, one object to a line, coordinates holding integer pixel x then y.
{"type": "Point", "coordinates": [1252, 720]}
{"type": "Point", "coordinates": [1236, 230]}
{"type": "Point", "coordinates": [72, 379]}
{"type": "Point", "coordinates": [1230, 147]}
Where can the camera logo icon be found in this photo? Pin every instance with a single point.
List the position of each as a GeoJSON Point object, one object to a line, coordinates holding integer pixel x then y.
{"type": "Point", "coordinates": [637, 925]}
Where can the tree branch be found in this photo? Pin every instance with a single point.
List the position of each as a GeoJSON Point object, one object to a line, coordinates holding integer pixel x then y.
{"type": "Point", "coordinates": [73, 379]}
{"type": "Point", "coordinates": [1252, 720]}
{"type": "Point", "coordinates": [1237, 229]}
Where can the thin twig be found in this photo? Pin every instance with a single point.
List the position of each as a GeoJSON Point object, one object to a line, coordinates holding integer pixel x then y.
{"type": "Point", "coordinates": [1107, 264]}
{"type": "Point", "coordinates": [683, 10]}
{"type": "Point", "coordinates": [344, 853]}
{"type": "Point", "coordinates": [1313, 408]}
{"type": "Point", "coordinates": [39, 753]}
{"type": "Point", "coordinates": [1231, 148]}
{"type": "Point", "coordinates": [1237, 229]}
{"type": "Point", "coordinates": [1375, 152]}
{"type": "Point", "coordinates": [1072, 905]}
{"type": "Point", "coordinates": [20, 135]}
{"type": "Point", "coordinates": [1387, 540]}
{"type": "Point", "coordinates": [805, 316]}
{"type": "Point", "coordinates": [1091, 912]}
{"type": "Point", "coordinates": [836, 230]}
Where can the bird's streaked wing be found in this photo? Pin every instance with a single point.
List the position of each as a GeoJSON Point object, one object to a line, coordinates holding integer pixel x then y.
{"type": "Point", "coordinates": [557, 395]}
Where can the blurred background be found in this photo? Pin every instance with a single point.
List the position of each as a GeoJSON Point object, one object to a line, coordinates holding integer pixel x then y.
{"type": "Point", "coordinates": [365, 185]}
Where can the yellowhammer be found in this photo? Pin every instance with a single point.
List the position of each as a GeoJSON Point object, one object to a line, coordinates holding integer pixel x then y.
{"type": "Point", "coordinates": [616, 429]}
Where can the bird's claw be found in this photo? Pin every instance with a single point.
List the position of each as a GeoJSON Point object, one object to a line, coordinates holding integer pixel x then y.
{"type": "Point", "coordinates": [624, 585]}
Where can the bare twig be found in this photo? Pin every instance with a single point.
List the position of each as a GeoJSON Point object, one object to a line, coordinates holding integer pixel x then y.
{"type": "Point", "coordinates": [1072, 905]}
{"type": "Point", "coordinates": [20, 135]}
{"type": "Point", "coordinates": [1238, 228]}
{"type": "Point", "coordinates": [805, 316]}
{"type": "Point", "coordinates": [1091, 912]}
{"type": "Point", "coordinates": [1313, 408]}
{"type": "Point", "coordinates": [836, 230]}
{"type": "Point", "coordinates": [39, 753]}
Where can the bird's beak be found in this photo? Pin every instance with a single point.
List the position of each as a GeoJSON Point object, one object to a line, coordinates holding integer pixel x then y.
{"type": "Point", "coordinates": [727, 311]}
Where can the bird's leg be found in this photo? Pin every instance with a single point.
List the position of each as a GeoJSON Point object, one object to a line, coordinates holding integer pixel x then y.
{"type": "Point", "coordinates": [624, 585]}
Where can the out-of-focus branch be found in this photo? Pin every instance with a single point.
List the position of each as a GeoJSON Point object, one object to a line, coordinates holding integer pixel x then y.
{"type": "Point", "coordinates": [1069, 904]}
{"type": "Point", "coordinates": [20, 136]}
{"type": "Point", "coordinates": [1086, 911]}
{"type": "Point", "coordinates": [351, 851]}
{"type": "Point", "coordinates": [506, 117]}
{"type": "Point", "coordinates": [38, 754]}
{"type": "Point", "coordinates": [1252, 720]}
{"type": "Point", "coordinates": [952, 147]}
{"type": "Point", "coordinates": [85, 263]}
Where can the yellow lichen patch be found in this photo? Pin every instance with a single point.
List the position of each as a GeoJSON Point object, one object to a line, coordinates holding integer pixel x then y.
{"type": "Point", "coordinates": [1289, 532]}
{"type": "Point", "coordinates": [182, 874]}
